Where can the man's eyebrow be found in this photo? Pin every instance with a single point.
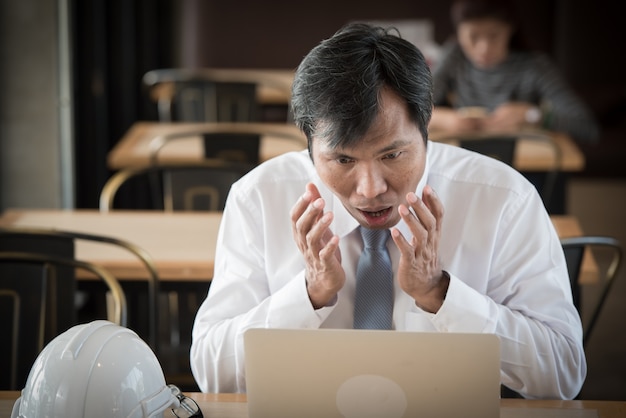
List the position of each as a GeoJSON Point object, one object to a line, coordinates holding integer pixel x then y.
{"type": "Point", "coordinates": [344, 153]}
{"type": "Point", "coordinates": [399, 143]}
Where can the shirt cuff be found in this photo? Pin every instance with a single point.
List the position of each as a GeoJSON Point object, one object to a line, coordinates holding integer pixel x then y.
{"type": "Point", "coordinates": [290, 307]}
{"type": "Point", "coordinates": [463, 310]}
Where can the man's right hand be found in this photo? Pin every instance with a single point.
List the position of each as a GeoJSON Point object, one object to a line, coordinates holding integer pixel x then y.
{"type": "Point", "coordinates": [319, 246]}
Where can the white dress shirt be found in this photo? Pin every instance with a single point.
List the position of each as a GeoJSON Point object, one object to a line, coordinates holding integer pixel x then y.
{"type": "Point", "coordinates": [507, 268]}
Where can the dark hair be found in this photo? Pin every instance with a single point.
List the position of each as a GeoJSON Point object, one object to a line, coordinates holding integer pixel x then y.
{"type": "Point", "coordinates": [502, 10]}
{"type": "Point", "coordinates": [336, 88]}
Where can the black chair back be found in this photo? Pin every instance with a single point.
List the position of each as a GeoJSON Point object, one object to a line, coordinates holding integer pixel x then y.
{"type": "Point", "coordinates": [574, 250]}
{"type": "Point", "coordinates": [23, 289]}
{"type": "Point", "coordinates": [62, 286]}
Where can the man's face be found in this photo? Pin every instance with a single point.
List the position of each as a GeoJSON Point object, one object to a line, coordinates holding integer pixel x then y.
{"type": "Point", "coordinates": [373, 177]}
{"type": "Point", "coordinates": [485, 42]}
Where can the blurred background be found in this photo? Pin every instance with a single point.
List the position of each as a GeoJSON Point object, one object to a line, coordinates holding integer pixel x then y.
{"type": "Point", "coordinates": [70, 87]}
{"type": "Point", "coordinates": [70, 71]}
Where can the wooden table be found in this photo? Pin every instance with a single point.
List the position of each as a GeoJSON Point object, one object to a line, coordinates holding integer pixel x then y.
{"type": "Point", "coordinates": [274, 85]}
{"type": "Point", "coordinates": [532, 155]}
{"type": "Point", "coordinates": [182, 244]}
{"type": "Point", "coordinates": [133, 149]}
{"type": "Point", "coordinates": [229, 405]}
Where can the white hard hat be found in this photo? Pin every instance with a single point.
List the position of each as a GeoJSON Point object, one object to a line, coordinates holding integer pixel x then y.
{"type": "Point", "coordinates": [98, 369]}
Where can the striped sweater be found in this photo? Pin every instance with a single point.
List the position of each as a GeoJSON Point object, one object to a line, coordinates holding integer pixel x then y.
{"type": "Point", "coordinates": [524, 77]}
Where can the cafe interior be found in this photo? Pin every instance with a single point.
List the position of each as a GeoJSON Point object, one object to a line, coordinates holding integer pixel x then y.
{"type": "Point", "coordinates": [90, 104]}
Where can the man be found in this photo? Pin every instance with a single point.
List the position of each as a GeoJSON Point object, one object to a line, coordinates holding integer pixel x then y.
{"type": "Point", "coordinates": [290, 239]}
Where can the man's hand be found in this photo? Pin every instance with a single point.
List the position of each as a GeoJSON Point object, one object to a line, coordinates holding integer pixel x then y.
{"type": "Point", "coordinates": [419, 273]}
{"type": "Point", "coordinates": [507, 117]}
{"type": "Point", "coordinates": [319, 246]}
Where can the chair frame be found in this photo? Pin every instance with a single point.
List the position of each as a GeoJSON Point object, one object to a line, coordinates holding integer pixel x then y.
{"type": "Point", "coordinates": [167, 80]}
{"type": "Point", "coordinates": [112, 186]}
{"type": "Point", "coordinates": [588, 242]}
{"type": "Point", "coordinates": [120, 311]}
{"type": "Point", "coordinates": [144, 257]}
{"type": "Point", "coordinates": [160, 83]}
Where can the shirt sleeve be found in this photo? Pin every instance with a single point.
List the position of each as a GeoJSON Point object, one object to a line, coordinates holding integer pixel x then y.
{"type": "Point", "coordinates": [240, 297]}
{"type": "Point", "coordinates": [527, 303]}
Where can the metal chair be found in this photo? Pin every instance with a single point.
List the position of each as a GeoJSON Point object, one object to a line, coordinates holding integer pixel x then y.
{"type": "Point", "coordinates": [200, 186]}
{"type": "Point", "coordinates": [197, 96]}
{"type": "Point", "coordinates": [61, 243]}
{"type": "Point", "coordinates": [22, 295]}
{"type": "Point", "coordinates": [574, 249]}
{"type": "Point", "coordinates": [25, 280]}
{"type": "Point", "coordinates": [203, 185]}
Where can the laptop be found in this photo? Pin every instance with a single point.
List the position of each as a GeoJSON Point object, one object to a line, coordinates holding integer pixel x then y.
{"type": "Point", "coordinates": [325, 373]}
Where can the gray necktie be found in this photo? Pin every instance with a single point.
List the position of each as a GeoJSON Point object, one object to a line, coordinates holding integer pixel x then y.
{"type": "Point", "coordinates": [373, 304]}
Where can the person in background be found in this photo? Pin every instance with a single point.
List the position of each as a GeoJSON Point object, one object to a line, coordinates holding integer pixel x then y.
{"type": "Point", "coordinates": [471, 247]}
{"type": "Point", "coordinates": [486, 80]}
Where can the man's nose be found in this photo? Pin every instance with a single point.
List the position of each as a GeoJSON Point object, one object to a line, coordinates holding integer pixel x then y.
{"type": "Point", "coordinates": [370, 181]}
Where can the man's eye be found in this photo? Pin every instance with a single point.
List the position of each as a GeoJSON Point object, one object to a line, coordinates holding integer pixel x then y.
{"type": "Point", "coordinates": [344, 160]}
{"type": "Point", "coordinates": [391, 155]}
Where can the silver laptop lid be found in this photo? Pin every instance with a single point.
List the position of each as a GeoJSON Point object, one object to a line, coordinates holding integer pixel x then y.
{"type": "Point", "coordinates": [361, 373]}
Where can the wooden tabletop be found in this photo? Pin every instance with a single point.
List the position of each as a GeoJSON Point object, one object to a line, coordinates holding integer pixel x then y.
{"type": "Point", "coordinates": [230, 405]}
{"type": "Point", "coordinates": [182, 244]}
{"type": "Point", "coordinates": [133, 149]}
{"type": "Point", "coordinates": [532, 155]}
{"type": "Point", "coordinates": [273, 85]}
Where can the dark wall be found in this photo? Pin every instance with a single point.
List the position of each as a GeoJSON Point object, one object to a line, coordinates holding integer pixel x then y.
{"type": "Point", "coordinates": [116, 41]}
{"type": "Point", "coordinates": [278, 33]}
{"type": "Point", "coordinates": [589, 45]}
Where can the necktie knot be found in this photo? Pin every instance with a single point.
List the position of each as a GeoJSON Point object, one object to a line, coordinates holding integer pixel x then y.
{"type": "Point", "coordinates": [374, 238]}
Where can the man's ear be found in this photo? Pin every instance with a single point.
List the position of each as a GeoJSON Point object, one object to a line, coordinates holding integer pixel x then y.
{"type": "Point", "coordinates": [309, 143]}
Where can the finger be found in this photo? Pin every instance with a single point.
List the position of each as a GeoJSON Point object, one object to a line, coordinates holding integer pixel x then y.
{"type": "Point", "coordinates": [319, 234]}
{"type": "Point", "coordinates": [312, 188]}
{"type": "Point", "coordinates": [422, 212]}
{"type": "Point", "coordinates": [406, 249]}
{"type": "Point", "coordinates": [434, 205]}
{"type": "Point", "coordinates": [419, 233]}
{"type": "Point", "coordinates": [307, 221]}
{"type": "Point", "coordinates": [327, 253]}
{"type": "Point", "coordinates": [300, 207]}
{"type": "Point", "coordinates": [314, 210]}
{"type": "Point", "coordinates": [310, 194]}
{"type": "Point", "coordinates": [307, 210]}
